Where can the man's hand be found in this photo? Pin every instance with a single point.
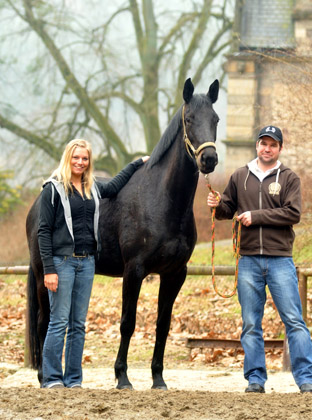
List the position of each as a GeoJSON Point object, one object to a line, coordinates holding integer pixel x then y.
{"type": "Point", "coordinates": [51, 281]}
{"type": "Point", "coordinates": [245, 218]}
{"type": "Point", "coordinates": [213, 200]}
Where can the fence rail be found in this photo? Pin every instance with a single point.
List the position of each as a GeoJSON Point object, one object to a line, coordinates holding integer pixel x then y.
{"type": "Point", "coordinates": [17, 269]}
{"type": "Point", "coordinates": [220, 270]}
{"type": "Point", "coordinates": [200, 270]}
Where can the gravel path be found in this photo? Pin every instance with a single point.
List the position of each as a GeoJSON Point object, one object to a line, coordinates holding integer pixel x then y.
{"type": "Point", "coordinates": [190, 380]}
{"type": "Point", "coordinates": [193, 395]}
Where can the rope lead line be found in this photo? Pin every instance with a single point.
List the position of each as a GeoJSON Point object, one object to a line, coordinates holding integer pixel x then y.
{"type": "Point", "coordinates": [236, 236]}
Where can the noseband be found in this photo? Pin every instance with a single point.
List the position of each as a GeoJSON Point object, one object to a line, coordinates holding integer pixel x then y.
{"type": "Point", "coordinates": [188, 145]}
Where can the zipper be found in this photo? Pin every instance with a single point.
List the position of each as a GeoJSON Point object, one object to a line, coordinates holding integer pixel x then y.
{"type": "Point", "coordinates": [84, 217]}
{"type": "Point", "coordinates": [260, 228]}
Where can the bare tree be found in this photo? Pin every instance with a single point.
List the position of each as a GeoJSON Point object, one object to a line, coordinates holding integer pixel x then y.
{"type": "Point", "coordinates": [106, 78]}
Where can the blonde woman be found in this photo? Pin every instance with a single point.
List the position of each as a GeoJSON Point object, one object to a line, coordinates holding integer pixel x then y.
{"type": "Point", "coordinates": [68, 240]}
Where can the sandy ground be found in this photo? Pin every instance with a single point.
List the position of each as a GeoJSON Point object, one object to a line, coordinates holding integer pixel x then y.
{"type": "Point", "coordinates": [193, 394]}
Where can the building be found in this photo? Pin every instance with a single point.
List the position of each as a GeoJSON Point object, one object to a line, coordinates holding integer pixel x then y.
{"type": "Point", "coordinates": [270, 80]}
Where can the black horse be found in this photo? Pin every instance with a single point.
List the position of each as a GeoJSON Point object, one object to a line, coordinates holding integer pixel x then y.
{"type": "Point", "coordinates": [148, 228]}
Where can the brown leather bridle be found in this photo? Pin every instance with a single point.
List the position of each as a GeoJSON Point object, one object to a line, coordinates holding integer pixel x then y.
{"type": "Point", "coordinates": [188, 144]}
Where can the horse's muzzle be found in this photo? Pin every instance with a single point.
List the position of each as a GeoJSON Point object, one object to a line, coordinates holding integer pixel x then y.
{"type": "Point", "coordinates": [207, 160]}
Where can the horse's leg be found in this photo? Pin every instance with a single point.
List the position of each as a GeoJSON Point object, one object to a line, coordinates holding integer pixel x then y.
{"type": "Point", "coordinates": [132, 281]}
{"type": "Point", "coordinates": [170, 286]}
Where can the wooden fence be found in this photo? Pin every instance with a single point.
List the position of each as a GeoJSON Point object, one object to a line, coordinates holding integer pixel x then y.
{"type": "Point", "coordinates": [201, 270]}
{"type": "Point", "coordinates": [222, 270]}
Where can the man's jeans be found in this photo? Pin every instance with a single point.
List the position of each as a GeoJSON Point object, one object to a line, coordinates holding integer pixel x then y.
{"type": "Point", "coordinates": [279, 273]}
{"type": "Point", "coordinates": [69, 307]}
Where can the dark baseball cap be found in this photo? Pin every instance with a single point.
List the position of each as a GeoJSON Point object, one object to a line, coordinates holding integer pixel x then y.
{"type": "Point", "coordinates": [271, 131]}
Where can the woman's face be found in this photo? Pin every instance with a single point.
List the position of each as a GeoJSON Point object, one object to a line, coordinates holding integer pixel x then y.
{"type": "Point", "coordinates": [79, 161]}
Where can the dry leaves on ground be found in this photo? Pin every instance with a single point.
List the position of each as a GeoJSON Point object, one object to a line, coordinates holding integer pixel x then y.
{"type": "Point", "coordinates": [220, 319]}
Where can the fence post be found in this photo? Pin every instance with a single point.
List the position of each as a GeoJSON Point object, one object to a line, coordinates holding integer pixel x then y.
{"type": "Point", "coordinates": [26, 345]}
{"type": "Point", "coordinates": [303, 291]}
{"type": "Point", "coordinates": [286, 356]}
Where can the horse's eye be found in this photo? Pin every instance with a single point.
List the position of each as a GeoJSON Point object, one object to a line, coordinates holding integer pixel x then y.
{"type": "Point", "coordinates": [188, 120]}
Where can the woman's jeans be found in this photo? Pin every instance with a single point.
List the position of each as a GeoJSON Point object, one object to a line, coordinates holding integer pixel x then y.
{"type": "Point", "coordinates": [279, 273]}
{"type": "Point", "coordinates": [69, 307]}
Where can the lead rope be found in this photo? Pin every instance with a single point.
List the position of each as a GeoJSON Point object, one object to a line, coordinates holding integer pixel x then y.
{"type": "Point", "coordinates": [236, 236]}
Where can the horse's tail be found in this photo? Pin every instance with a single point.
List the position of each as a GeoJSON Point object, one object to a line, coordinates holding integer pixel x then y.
{"type": "Point", "coordinates": [32, 320]}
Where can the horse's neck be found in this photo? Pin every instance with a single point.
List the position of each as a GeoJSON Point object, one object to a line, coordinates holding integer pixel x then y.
{"type": "Point", "coordinates": [181, 175]}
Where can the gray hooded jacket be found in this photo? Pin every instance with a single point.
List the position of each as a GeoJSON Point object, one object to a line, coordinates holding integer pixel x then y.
{"type": "Point", "coordinates": [55, 231]}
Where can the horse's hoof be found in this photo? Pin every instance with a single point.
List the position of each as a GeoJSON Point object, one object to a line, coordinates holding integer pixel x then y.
{"type": "Point", "coordinates": [125, 386]}
{"type": "Point", "coordinates": [162, 387]}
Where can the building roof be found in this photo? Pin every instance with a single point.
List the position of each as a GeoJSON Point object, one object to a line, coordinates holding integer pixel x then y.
{"type": "Point", "coordinates": [267, 24]}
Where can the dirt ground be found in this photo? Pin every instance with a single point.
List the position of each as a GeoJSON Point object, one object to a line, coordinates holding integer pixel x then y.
{"type": "Point", "coordinates": [193, 394]}
{"type": "Point", "coordinates": [203, 385]}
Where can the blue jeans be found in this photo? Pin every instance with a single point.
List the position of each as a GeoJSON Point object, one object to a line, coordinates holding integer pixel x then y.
{"type": "Point", "coordinates": [69, 307]}
{"type": "Point", "coordinates": [279, 273]}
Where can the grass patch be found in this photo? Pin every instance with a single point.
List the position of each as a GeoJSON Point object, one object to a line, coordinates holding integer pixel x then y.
{"type": "Point", "coordinates": [223, 254]}
{"type": "Point", "coordinates": [302, 252]}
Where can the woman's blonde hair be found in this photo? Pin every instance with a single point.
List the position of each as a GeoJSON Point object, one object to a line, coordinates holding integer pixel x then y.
{"type": "Point", "coordinates": [63, 172]}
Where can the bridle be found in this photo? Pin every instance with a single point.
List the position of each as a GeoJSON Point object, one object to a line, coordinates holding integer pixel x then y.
{"type": "Point", "coordinates": [188, 145]}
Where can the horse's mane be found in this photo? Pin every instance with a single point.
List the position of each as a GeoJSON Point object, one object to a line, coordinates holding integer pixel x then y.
{"type": "Point", "coordinates": [170, 134]}
{"type": "Point", "coordinates": [166, 139]}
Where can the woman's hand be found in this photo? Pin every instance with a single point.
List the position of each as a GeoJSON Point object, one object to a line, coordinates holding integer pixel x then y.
{"type": "Point", "coordinates": [145, 158]}
{"type": "Point", "coordinates": [51, 281]}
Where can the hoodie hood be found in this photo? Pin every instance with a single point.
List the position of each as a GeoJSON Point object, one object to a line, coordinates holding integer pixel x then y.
{"type": "Point", "coordinates": [252, 167]}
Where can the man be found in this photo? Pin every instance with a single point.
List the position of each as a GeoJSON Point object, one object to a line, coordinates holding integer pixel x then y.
{"type": "Point", "coordinates": [266, 196]}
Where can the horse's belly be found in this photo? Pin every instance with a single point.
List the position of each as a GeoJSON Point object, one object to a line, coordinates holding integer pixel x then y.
{"type": "Point", "coordinates": [171, 255]}
{"type": "Point", "coordinates": [109, 265]}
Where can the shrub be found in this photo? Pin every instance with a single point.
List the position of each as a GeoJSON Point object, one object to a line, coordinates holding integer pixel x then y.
{"type": "Point", "coordinates": [9, 196]}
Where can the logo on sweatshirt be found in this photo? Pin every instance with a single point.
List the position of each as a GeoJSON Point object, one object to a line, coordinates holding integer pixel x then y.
{"type": "Point", "coordinates": [275, 188]}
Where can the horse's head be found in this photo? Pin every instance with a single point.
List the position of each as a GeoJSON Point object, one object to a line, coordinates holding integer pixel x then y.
{"type": "Point", "coordinates": [200, 125]}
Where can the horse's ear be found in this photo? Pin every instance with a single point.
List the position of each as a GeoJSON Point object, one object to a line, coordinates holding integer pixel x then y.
{"type": "Point", "coordinates": [214, 91]}
{"type": "Point", "coordinates": [188, 90]}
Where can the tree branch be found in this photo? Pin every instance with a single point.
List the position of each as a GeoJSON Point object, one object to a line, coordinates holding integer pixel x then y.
{"type": "Point", "coordinates": [212, 53]}
{"type": "Point", "coordinates": [73, 84]}
{"type": "Point", "coordinates": [137, 27]}
{"type": "Point", "coordinates": [32, 138]}
{"type": "Point", "coordinates": [192, 48]}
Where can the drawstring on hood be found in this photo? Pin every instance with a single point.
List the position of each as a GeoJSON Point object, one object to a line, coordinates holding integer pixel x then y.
{"type": "Point", "coordinates": [245, 183]}
{"type": "Point", "coordinates": [276, 181]}
{"type": "Point", "coordinates": [254, 168]}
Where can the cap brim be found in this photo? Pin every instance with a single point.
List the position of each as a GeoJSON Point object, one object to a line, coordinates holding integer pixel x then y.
{"type": "Point", "coordinates": [272, 136]}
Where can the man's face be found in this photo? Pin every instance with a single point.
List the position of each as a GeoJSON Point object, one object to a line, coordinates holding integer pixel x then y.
{"type": "Point", "coordinates": [268, 150]}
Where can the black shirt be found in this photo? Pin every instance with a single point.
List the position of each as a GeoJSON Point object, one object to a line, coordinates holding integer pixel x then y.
{"type": "Point", "coordinates": [82, 211]}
